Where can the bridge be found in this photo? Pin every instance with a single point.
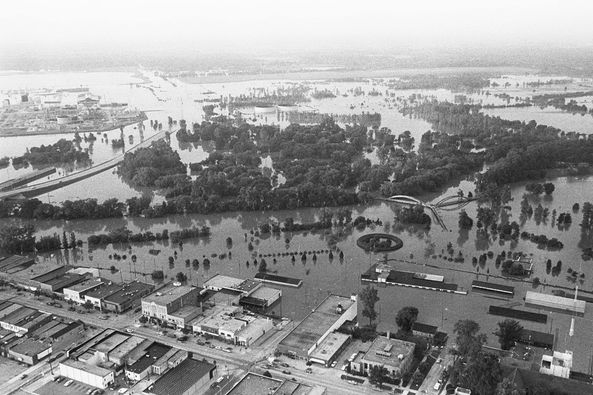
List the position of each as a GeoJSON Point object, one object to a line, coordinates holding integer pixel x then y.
{"type": "Point", "coordinates": [51, 185]}
{"type": "Point", "coordinates": [449, 203]}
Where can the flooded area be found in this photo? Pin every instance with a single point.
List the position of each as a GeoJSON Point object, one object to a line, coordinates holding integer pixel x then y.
{"type": "Point", "coordinates": [323, 275]}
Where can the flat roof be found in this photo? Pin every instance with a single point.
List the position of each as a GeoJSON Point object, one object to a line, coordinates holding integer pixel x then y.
{"type": "Point", "coordinates": [152, 353]}
{"type": "Point", "coordinates": [329, 346]}
{"type": "Point", "coordinates": [222, 281]}
{"type": "Point", "coordinates": [555, 301]}
{"type": "Point", "coordinates": [14, 261]}
{"type": "Point", "coordinates": [64, 280]}
{"type": "Point", "coordinates": [223, 322]}
{"type": "Point", "coordinates": [9, 308]}
{"type": "Point", "coordinates": [128, 291]}
{"type": "Point", "coordinates": [126, 347]}
{"type": "Point", "coordinates": [187, 311]}
{"type": "Point", "coordinates": [52, 273]}
{"type": "Point", "coordinates": [493, 286]}
{"type": "Point", "coordinates": [168, 294]}
{"type": "Point", "coordinates": [253, 383]}
{"type": "Point", "coordinates": [266, 293]}
{"type": "Point", "coordinates": [86, 285]}
{"type": "Point", "coordinates": [424, 328]}
{"type": "Point", "coordinates": [47, 327]}
{"type": "Point", "coordinates": [104, 291]}
{"type": "Point", "coordinates": [386, 351]}
{"type": "Point", "coordinates": [30, 347]}
{"type": "Point", "coordinates": [308, 332]}
{"type": "Point", "coordinates": [254, 329]}
{"type": "Point", "coordinates": [111, 342]}
{"type": "Point", "coordinates": [86, 367]}
{"type": "Point", "coordinates": [18, 315]}
{"type": "Point", "coordinates": [181, 378]}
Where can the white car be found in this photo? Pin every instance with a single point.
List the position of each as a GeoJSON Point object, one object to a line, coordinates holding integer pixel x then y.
{"type": "Point", "coordinates": [67, 383]}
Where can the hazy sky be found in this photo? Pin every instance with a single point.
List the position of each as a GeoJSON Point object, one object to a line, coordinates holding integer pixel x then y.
{"type": "Point", "coordinates": [244, 25]}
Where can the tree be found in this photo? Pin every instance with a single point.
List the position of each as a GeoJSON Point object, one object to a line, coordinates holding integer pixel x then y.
{"type": "Point", "coordinates": [482, 374]}
{"type": "Point", "coordinates": [263, 266]}
{"type": "Point", "coordinates": [369, 297]}
{"type": "Point", "coordinates": [406, 317]}
{"type": "Point", "coordinates": [16, 239]}
{"type": "Point", "coordinates": [377, 375]}
{"type": "Point", "coordinates": [88, 305]}
{"type": "Point", "coordinates": [508, 332]}
{"type": "Point", "coordinates": [143, 319]}
{"type": "Point", "coordinates": [534, 188]}
{"type": "Point", "coordinates": [469, 341]}
{"type": "Point", "coordinates": [549, 188]}
{"type": "Point", "coordinates": [181, 277]}
{"type": "Point", "coordinates": [465, 222]}
{"type": "Point", "coordinates": [508, 387]}
{"type": "Point", "coordinates": [157, 275]}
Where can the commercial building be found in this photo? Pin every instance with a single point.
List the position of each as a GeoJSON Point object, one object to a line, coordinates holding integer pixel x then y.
{"type": "Point", "coordinates": [555, 302]}
{"type": "Point", "coordinates": [24, 319]}
{"type": "Point", "coordinates": [30, 351]}
{"type": "Point", "coordinates": [184, 316]}
{"type": "Point", "coordinates": [77, 292]}
{"type": "Point", "coordinates": [129, 296]}
{"type": "Point", "coordinates": [143, 366]}
{"type": "Point", "coordinates": [330, 348]}
{"type": "Point", "coordinates": [253, 383]}
{"type": "Point", "coordinates": [92, 375]}
{"type": "Point", "coordinates": [168, 300]}
{"type": "Point", "coordinates": [98, 295]}
{"type": "Point", "coordinates": [261, 299]}
{"type": "Point", "coordinates": [558, 364]}
{"type": "Point", "coordinates": [190, 377]}
{"type": "Point", "coordinates": [119, 354]}
{"type": "Point", "coordinates": [395, 355]}
{"type": "Point", "coordinates": [253, 331]}
{"type": "Point", "coordinates": [323, 320]}
{"type": "Point", "coordinates": [222, 324]}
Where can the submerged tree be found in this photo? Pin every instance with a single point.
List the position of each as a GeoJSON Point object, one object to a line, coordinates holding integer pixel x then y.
{"type": "Point", "coordinates": [369, 297]}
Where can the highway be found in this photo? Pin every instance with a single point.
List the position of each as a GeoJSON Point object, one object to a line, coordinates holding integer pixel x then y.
{"type": "Point", "coordinates": [52, 185]}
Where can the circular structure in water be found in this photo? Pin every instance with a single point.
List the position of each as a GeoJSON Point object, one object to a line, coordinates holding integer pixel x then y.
{"type": "Point", "coordinates": [379, 242]}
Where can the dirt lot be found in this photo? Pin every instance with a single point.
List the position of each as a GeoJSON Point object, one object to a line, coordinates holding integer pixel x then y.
{"type": "Point", "coordinates": [9, 369]}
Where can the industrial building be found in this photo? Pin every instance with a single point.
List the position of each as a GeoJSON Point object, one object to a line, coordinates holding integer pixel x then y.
{"type": "Point", "coordinates": [77, 292]}
{"type": "Point", "coordinates": [129, 296]}
{"type": "Point", "coordinates": [142, 367]}
{"type": "Point", "coordinates": [98, 295]}
{"type": "Point", "coordinates": [395, 355]}
{"type": "Point", "coordinates": [331, 313]}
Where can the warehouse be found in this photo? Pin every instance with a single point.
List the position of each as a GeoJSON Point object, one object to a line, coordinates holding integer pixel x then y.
{"type": "Point", "coordinates": [555, 302]}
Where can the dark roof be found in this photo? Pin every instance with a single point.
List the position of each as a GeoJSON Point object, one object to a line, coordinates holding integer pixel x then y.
{"type": "Point", "coordinates": [424, 328]}
{"type": "Point", "coordinates": [151, 355]}
{"type": "Point", "coordinates": [493, 286]}
{"type": "Point", "coordinates": [183, 377]}
{"type": "Point", "coordinates": [537, 338]}
{"type": "Point", "coordinates": [518, 314]}
{"type": "Point", "coordinates": [104, 291]}
{"type": "Point", "coordinates": [129, 291]}
{"type": "Point", "coordinates": [537, 382]}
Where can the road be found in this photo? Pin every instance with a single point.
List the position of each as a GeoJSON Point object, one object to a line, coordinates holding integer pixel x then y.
{"type": "Point", "coordinates": [44, 187]}
{"type": "Point", "coordinates": [239, 361]}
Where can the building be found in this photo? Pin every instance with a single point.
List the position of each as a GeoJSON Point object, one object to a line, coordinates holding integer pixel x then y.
{"type": "Point", "coordinates": [30, 351]}
{"type": "Point", "coordinates": [330, 348]}
{"type": "Point", "coordinates": [168, 300]}
{"type": "Point", "coordinates": [395, 355]}
{"type": "Point", "coordinates": [119, 354]}
{"type": "Point", "coordinates": [98, 295]}
{"type": "Point", "coordinates": [558, 364]}
{"type": "Point", "coordinates": [92, 375]}
{"type": "Point", "coordinates": [323, 320]}
{"type": "Point", "coordinates": [143, 366]}
{"type": "Point", "coordinates": [555, 302]}
{"type": "Point", "coordinates": [24, 319]}
{"type": "Point", "coordinates": [184, 316]}
{"type": "Point", "coordinates": [105, 346]}
{"type": "Point", "coordinates": [128, 296]}
{"type": "Point", "coordinates": [222, 324]}
{"type": "Point", "coordinates": [253, 331]}
{"type": "Point", "coordinates": [190, 377]}
{"type": "Point", "coordinates": [261, 299]}
{"type": "Point", "coordinates": [425, 330]}
{"type": "Point", "coordinates": [77, 292]}
{"type": "Point", "coordinates": [253, 383]}
{"type": "Point", "coordinates": [170, 360]}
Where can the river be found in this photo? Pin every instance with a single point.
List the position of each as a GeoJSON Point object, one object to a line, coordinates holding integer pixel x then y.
{"type": "Point", "coordinates": [322, 276]}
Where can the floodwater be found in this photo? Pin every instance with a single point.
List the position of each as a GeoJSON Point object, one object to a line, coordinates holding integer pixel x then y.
{"type": "Point", "coordinates": [322, 276]}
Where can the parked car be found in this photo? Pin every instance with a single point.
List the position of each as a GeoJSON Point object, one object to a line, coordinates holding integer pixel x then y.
{"type": "Point", "coordinates": [68, 383]}
{"type": "Point", "coordinates": [334, 363]}
{"type": "Point", "coordinates": [286, 371]}
{"type": "Point", "coordinates": [309, 370]}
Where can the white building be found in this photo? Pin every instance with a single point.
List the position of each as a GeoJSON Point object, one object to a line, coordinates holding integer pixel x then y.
{"type": "Point", "coordinates": [559, 364]}
{"type": "Point", "coordinates": [95, 376]}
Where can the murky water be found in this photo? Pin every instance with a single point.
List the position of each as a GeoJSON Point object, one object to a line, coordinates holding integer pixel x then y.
{"type": "Point", "coordinates": [323, 276]}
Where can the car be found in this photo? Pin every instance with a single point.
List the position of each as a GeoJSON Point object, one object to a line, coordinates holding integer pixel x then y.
{"type": "Point", "coordinates": [439, 360]}
{"type": "Point", "coordinates": [309, 370]}
{"type": "Point", "coordinates": [55, 378]}
{"type": "Point", "coordinates": [24, 376]}
{"type": "Point", "coordinates": [68, 383]}
{"type": "Point", "coordinates": [129, 330]}
{"type": "Point", "coordinates": [437, 386]}
{"type": "Point", "coordinates": [89, 391]}
{"type": "Point", "coordinates": [286, 371]}
{"type": "Point", "coordinates": [284, 365]}
{"type": "Point", "coordinates": [334, 363]}
{"type": "Point", "coordinates": [60, 379]}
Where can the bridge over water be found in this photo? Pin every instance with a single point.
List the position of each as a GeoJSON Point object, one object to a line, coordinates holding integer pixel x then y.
{"type": "Point", "coordinates": [51, 185]}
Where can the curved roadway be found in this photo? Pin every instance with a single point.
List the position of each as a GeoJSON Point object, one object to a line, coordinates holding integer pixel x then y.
{"type": "Point", "coordinates": [44, 187]}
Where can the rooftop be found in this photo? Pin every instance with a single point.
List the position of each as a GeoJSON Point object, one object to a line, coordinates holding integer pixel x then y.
{"type": "Point", "coordinates": [86, 285]}
{"type": "Point", "coordinates": [31, 347]}
{"type": "Point", "coordinates": [266, 293]}
{"type": "Point", "coordinates": [18, 315]}
{"type": "Point", "coordinates": [255, 384]}
{"type": "Point", "coordinates": [181, 378]}
{"type": "Point", "coordinates": [128, 291]}
{"type": "Point", "coordinates": [388, 351]}
{"type": "Point", "coordinates": [424, 328]}
{"type": "Point", "coordinates": [14, 261]}
{"type": "Point", "coordinates": [111, 342]}
{"type": "Point", "coordinates": [223, 322]}
{"type": "Point", "coordinates": [152, 354]}
{"type": "Point", "coordinates": [85, 367]}
{"type": "Point", "coordinates": [308, 332]}
{"type": "Point", "coordinates": [221, 281]}
{"type": "Point", "coordinates": [187, 312]}
{"type": "Point", "coordinates": [168, 294]}
{"type": "Point", "coordinates": [330, 345]}
{"type": "Point", "coordinates": [104, 291]}
{"type": "Point", "coordinates": [126, 347]}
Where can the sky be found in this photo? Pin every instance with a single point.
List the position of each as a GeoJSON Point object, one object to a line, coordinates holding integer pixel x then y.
{"type": "Point", "coordinates": [236, 26]}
